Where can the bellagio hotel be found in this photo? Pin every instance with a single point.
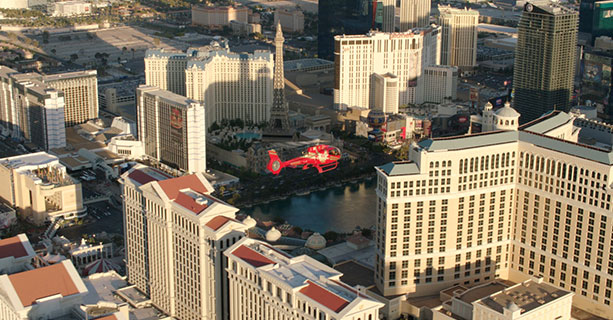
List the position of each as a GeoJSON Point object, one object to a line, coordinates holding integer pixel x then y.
{"type": "Point", "coordinates": [510, 203]}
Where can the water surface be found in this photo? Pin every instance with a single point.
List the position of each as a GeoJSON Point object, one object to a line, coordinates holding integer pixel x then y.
{"type": "Point", "coordinates": [339, 209]}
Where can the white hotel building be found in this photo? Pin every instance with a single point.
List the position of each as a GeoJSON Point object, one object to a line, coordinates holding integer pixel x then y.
{"type": "Point", "coordinates": [359, 57]}
{"type": "Point", "coordinates": [510, 204]}
{"type": "Point", "coordinates": [230, 85]}
{"type": "Point", "coordinates": [266, 283]}
{"type": "Point", "coordinates": [175, 235]}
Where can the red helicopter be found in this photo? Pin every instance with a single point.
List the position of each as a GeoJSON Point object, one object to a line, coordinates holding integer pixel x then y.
{"type": "Point", "coordinates": [323, 157]}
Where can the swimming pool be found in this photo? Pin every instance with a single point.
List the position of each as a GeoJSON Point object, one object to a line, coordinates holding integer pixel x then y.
{"type": "Point", "coordinates": [248, 135]}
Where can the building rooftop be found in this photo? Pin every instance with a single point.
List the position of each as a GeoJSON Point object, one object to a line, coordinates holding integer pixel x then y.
{"type": "Point", "coordinates": [31, 159]}
{"type": "Point", "coordinates": [299, 64]}
{"type": "Point", "coordinates": [399, 168]}
{"type": "Point", "coordinates": [108, 289]}
{"type": "Point", "coordinates": [172, 187]}
{"type": "Point", "coordinates": [548, 122]}
{"type": "Point", "coordinates": [527, 295]}
{"type": "Point", "coordinates": [143, 175]}
{"type": "Point", "coordinates": [311, 278]}
{"type": "Point", "coordinates": [324, 296]}
{"type": "Point", "coordinates": [456, 11]}
{"type": "Point", "coordinates": [16, 247]}
{"type": "Point", "coordinates": [355, 274]}
{"type": "Point", "coordinates": [251, 256]}
{"type": "Point", "coordinates": [548, 7]}
{"type": "Point", "coordinates": [473, 294]}
{"type": "Point", "coordinates": [70, 75]}
{"type": "Point", "coordinates": [533, 132]}
{"type": "Point", "coordinates": [218, 222]}
{"type": "Point", "coordinates": [29, 286]}
{"type": "Point", "coordinates": [168, 96]}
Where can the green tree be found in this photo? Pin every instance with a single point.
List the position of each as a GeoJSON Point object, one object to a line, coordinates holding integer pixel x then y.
{"type": "Point", "coordinates": [74, 57]}
{"type": "Point", "coordinates": [367, 233]}
{"type": "Point", "coordinates": [331, 236]}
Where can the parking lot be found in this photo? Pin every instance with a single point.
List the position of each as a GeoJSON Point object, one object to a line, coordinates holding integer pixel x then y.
{"type": "Point", "coordinates": [111, 41]}
{"type": "Point", "coordinates": [101, 216]}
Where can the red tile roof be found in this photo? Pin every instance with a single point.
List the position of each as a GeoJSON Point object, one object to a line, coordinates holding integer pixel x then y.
{"type": "Point", "coordinates": [251, 257]}
{"type": "Point", "coordinates": [141, 177]}
{"type": "Point", "coordinates": [218, 222]}
{"type": "Point", "coordinates": [12, 247]}
{"type": "Point", "coordinates": [190, 203]}
{"type": "Point", "coordinates": [172, 186]}
{"type": "Point", "coordinates": [110, 317]}
{"type": "Point", "coordinates": [43, 282]}
{"type": "Point", "coordinates": [324, 297]}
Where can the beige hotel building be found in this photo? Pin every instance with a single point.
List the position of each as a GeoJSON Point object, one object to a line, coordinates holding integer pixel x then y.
{"type": "Point", "coordinates": [266, 283]}
{"type": "Point", "coordinates": [38, 185]}
{"type": "Point", "coordinates": [459, 45]}
{"type": "Point", "coordinates": [80, 94]}
{"type": "Point", "coordinates": [175, 234]}
{"type": "Point", "coordinates": [511, 203]}
{"type": "Point", "coordinates": [231, 85]}
{"type": "Point", "coordinates": [357, 58]}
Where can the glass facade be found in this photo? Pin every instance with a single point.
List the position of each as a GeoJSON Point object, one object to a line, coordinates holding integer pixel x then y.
{"type": "Point", "coordinates": [544, 60]}
{"type": "Point", "coordinates": [343, 17]}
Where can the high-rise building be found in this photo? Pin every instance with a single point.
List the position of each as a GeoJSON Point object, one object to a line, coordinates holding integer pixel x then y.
{"type": "Point", "coordinates": [359, 57]}
{"type": "Point", "coordinates": [388, 16]}
{"type": "Point", "coordinates": [75, 94]}
{"type": "Point", "coordinates": [459, 44]}
{"type": "Point", "coordinates": [440, 83]}
{"type": "Point", "coordinates": [172, 128]}
{"type": "Point", "coordinates": [337, 17]}
{"type": "Point", "coordinates": [386, 92]}
{"type": "Point", "coordinates": [166, 70]}
{"type": "Point", "coordinates": [291, 21]}
{"type": "Point", "coordinates": [414, 14]}
{"type": "Point", "coordinates": [511, 203]}
{"type": "Point", "coordinates": [603, 19]}
{"type": "Point", "coordinates": [230, 85]}
{"type": "Point", "coordinates": [266, 283]}
{"type": "Point", "coordinates": [175, 235]}
{"type": "Point", "coordinates": [40, 188]}
{"type": "Point", "coordinates": [596, 17]}
{"type": "Point", "coordinates": [586, 15]}
{"type": "Point", "coordinates": [31, 110]}
{"type": "Point", "coordinates": [544, 59]}
{"type": "Point", "coordinates": [212, 16]}
{"type": "Point", "coordinates": [80, 95]}
{"type": "Point", "coordinates": [279, 118]}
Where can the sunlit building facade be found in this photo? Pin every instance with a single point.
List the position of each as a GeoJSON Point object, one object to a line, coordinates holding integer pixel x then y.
{"type": "Point", "coordinates": [175, 235]}
{"type": "Point", "coordinates": [510, 203]}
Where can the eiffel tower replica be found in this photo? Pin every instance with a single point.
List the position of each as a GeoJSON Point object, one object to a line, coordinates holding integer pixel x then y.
{"type": "Point", "coordinates": [278, 126]}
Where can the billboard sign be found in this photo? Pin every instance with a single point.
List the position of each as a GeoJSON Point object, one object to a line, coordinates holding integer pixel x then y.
{"type": "Point", "coordinates": [474, 95]}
